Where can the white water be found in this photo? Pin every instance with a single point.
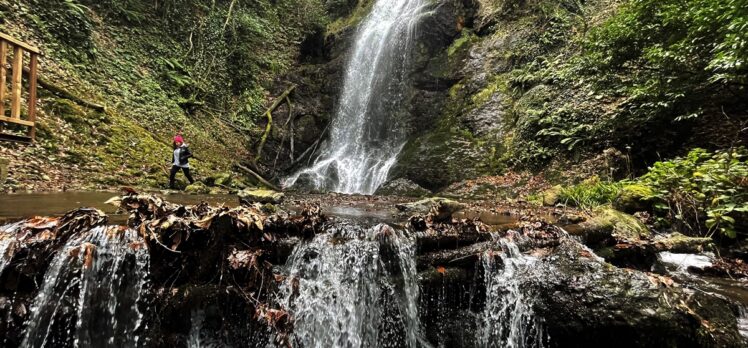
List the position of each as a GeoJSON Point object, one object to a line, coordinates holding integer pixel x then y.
{"type": "Point", "coordinates": [354, 287]}
{"type": "Point", "coordinates": [507, 320]}
{"type": "Point", "coordinates": [6, 241]}
{"type": "Point", "coordinates": [681, 262]}
{"type": "Point", "coordinates": [367, 132]}
{"type": "Point", "coordinates": [91, 292]}
{"type": "Point", "coordinates": [743, 322]}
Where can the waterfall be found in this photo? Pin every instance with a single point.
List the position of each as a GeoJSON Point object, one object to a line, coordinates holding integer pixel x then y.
{"type": "Point", "coordinates": [6, 241]}
{"type": "Point", "coordinates": [367, 132]}
{"type": "Point", "coordinates": [91, 292]}
{"type": "Point", "coordinates": [354, 287]}
{"type": "Point", "coordinates": [507, 320]}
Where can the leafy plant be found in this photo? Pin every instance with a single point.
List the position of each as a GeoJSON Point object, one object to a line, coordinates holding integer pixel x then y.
{"type": "Point", "coordinates": [703, 188]}
{"type": "Point", "coordinates": [590, 193]}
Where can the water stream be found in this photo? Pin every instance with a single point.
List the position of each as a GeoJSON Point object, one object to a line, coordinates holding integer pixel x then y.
{"type": "Point", "coordinates": [354, 287]}
{"type": "Point", "coordinates": [91, 295]}
{"type": "Point", "coordinates": [367, 132]}
{"type": "Point", "coordinates": [507, 320]}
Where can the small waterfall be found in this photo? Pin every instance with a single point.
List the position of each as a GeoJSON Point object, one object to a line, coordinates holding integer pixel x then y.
{"type": "Point", "coordinates": [6, 241]}
{"type": "Point", "coordinates": [354, 287]}
{"type": "Point", "coordinates": [507, 320]}
{"type": "Point", "coordinates": [92, 292]}
{"type": "Point", "coordinates": [201, 336]}
{"type": "Point", "coordinates": [367, 132]}
{"type": "Point", "coordinates": [743, 322]}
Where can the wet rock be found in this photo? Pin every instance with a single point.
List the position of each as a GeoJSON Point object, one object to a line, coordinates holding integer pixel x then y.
{"type": "Point", "coordinates": [260, 196]}
{"type": "Point", "coordinates": [445, 207]}
{"type": "Point", "coordinates": [402, 187]}
{"type": "Point", "coordinates": [586, 302]}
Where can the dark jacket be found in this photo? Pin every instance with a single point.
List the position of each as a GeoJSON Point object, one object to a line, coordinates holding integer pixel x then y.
{"type": "Point", "coordinates": [184, 155]}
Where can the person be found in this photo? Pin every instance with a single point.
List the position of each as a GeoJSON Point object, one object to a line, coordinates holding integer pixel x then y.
{"type": "Point", "coordinates": [180, 160]}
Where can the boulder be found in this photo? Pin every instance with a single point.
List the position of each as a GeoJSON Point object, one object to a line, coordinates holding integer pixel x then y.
{"type": "Point", "coordinates": [550, 196]}
{"type": "Point", "coordinates": [586, 302]}
{"type": "Point", "coordinates": [445, 207]}
{"type": "Point", "coordinates": [260, 196]}
{"type": "Point", "coordinates": [607, 223]}
{"type": "Point", "coordinates": [402, 187]}
{"type": "Point", "coordinates": [633, 198]}
{"type": "Point", "coordinates": [197, 188]}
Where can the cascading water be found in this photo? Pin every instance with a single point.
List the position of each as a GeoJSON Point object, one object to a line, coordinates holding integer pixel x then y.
{"type": "Point", "coordinates": [354, 287]}
{"type": "Point", "coordinates": [367, 132]}
{"type": "Point", "coordinates": [6, 241]}
{"type": "Point", "coordinates": [92, 292]}
{"type": "Point", "coordinates": [507, 320]}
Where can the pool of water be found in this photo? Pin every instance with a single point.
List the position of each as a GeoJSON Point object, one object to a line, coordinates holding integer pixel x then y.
{"type": "Point", "coordinates": [19, 206]}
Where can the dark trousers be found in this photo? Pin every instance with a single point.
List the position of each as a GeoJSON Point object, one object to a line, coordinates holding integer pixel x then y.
{"type": "Point", "coordinates": [174, 170]}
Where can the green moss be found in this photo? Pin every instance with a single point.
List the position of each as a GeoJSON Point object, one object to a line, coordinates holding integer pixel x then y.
{"type": "Point", "coordinates": [621, 225]}
{"type": "Point", "coordinates": [462, 43]}
{"type": "Point", "coordinates": [359, 13]}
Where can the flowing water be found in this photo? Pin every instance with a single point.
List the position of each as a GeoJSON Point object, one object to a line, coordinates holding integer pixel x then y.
{"type": "Point", "coordinates": [507, 320]}
{"type": "Point", "coordinates": [91, 295]}
{"type": "Point", "coordinates": [367, 132]}
{"type": "Point", "coordinates": [354, 287]}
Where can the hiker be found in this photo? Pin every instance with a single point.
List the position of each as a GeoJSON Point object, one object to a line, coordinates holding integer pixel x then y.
{"type": "Point", "coordinates": [179, 160]}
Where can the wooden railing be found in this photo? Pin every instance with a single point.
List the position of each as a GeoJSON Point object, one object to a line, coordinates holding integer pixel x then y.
{"type": "Point", "coordinates": [7, 45]}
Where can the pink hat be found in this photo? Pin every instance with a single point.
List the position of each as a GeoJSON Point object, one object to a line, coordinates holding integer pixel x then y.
{"type": "Point", "coordinates": [179, 139]}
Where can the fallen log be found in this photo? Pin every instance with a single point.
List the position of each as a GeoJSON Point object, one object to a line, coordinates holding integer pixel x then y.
{"type": "Point", "coordinates": [258, 177]}
{"type": "Point", "coordinates": [63, 93]}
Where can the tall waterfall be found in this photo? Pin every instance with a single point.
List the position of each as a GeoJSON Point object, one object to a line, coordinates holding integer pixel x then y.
{"type": "Point", "coordinates": [354, 287]}
{"type": "Point", "coordinates": [367, 132]}
{"type": "Point", "coordinates": [92, 292]}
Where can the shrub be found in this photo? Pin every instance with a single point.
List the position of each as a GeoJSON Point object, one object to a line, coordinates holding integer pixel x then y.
{"type": "Point", "coordinates": [702, 189]}
{"type": "Point", "coordinates": [590, 193]}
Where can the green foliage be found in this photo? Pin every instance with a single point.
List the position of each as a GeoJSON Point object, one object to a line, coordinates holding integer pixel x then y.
{"type": "Point", "coordinates": [670, 57]}
{"type": "Point", "coordinates": [68, 22]}
{"type": "Point", "coordinates": [590, 193]}
{"type": "Point", "coordinates": [702, 187]}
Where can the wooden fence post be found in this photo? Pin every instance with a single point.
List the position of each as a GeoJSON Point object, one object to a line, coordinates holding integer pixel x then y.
{"type": "Point", "coordinates": [15, 104]}
{"type": "Point", "coordinates": [3, 74]}
{"type": "Point", "coordinates": [32, 94]}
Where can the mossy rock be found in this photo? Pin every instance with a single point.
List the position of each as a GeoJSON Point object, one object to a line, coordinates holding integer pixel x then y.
{"type": "Point", "coordinates": [402, 187]}
{"type": "Point", "coordinates": [679, 243]}
{"type": "Point", "coordinates": [221, 179]}
{"type": "Point", "coordinates": [197, 188]}
{"type": "Point", "coordinates": [607, 223]}
{"type": "Point", "coordinates": [445, 207]}
{"type": "Point", "coordinates": [633, 198]}
{"type": "Point", "coordinates": [551, 196]}
{"type": "Point", "coordinates": [260, 196]}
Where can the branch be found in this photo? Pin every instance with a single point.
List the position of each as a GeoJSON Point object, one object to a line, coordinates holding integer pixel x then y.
{"type": "Point", "coordinates": [63, 93]}
{"type": "Point", "coordinates": [260, 178]}
{"type": "Point", "coordinates": [269, 114]}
